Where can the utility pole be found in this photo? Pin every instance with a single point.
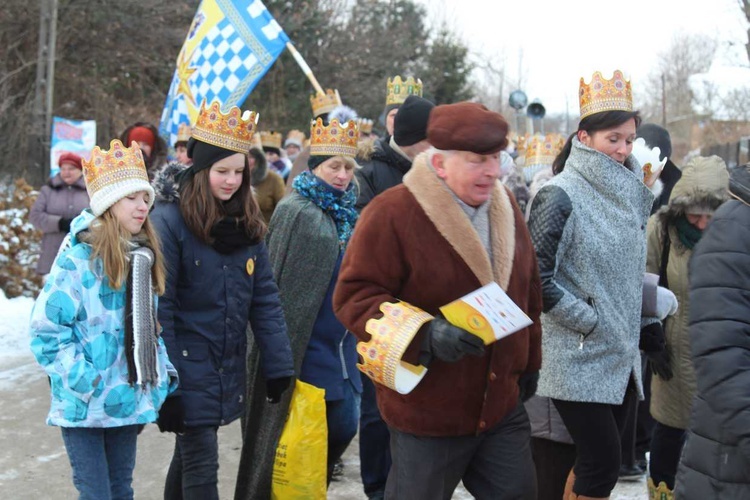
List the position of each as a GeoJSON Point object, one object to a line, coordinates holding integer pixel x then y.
{"type": "Point", "coordinates": [663, 101]}
{"type": "Point", "coordinates": [41, 120]}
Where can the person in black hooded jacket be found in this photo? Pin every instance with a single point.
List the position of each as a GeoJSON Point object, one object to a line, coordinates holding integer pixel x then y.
{"type": "Point", "coordinates": [390, 158]}
{"type": "Point", "coordinates": [716, 457]}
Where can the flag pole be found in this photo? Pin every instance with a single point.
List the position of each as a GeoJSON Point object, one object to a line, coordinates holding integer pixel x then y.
{"type": "Point", "coordinates": [305, 68]}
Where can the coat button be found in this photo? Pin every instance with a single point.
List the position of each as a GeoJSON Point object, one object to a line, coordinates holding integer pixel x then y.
{"type": "Point", "coordinates": [240, 398]}
{"type": "Point", "coordinates": [493, 377]}
{"type": "Point", "coordinates": [198, 262]}
{"type": "Point", "coordinates": [185, 353]}
{"type": "Point", "coordinates": [221, 370]}
{"type": "Point", "coordinates": [482, 424]}
{"type": "Point", "coordinates": [225, 267]}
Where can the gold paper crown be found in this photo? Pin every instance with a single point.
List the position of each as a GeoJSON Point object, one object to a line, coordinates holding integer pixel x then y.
{"type": "Point", "coordinates": [117, 164]}
{"type": "Point", "coordinates": [390, 337]}
{"type": "Point", "coordinates": [184, 132]}
{"type": "Point", "coordinates": [114, 174]}
{"type": "Point", "coordinates": [233, 130]}
{"type": "Point", "coordinates": [605, 95]}
{"type": "Point", "coordinates": [398, 90]}
{"type": "Point", "coordinates": [334, 139]}
{"type": "Point", "coordinates": [542, 150]}
{"type": "Point", "coordinates": [324, 103]}
{"type": "Point", "coordinates": [365, 126]}
{"type": "Point", "coordinates": [295, 137]}
{"type": "Point", "coordinates": [270, 139]}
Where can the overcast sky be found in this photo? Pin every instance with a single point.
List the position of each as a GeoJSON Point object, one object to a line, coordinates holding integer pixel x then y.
{"type": "Point", "coordinates": [556, 42]}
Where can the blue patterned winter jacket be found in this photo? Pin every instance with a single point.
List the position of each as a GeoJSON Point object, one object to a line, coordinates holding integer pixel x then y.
{"type": "Point", "coordinates": [77, 335]}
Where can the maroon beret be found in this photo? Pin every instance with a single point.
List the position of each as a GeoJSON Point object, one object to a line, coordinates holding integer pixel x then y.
{"type": "Point", "coordinates": [467, 126]}
{"type": "Point", "coordinates": [70, 158]}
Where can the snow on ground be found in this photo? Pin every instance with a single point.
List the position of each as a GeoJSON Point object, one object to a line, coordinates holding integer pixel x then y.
{"type": "Point", "coordinates": [37, 463]}
{"type": "Point", "coordinates": [14, 326]}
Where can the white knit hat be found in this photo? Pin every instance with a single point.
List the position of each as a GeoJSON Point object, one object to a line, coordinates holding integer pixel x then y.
{"type": "Point", "coordinates": [112, 175]}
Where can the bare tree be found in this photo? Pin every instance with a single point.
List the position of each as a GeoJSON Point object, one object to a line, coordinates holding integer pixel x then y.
{"type": "Point", "coordinates": [745, 7]}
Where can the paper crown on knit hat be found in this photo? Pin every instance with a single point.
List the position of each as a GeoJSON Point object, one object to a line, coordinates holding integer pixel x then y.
{"type": "Point", "coordinates": [295, 137]}
{"type": "Point", "coordinates": [114, 174]}
{"type": "Point", "coordinates": [390, 337]}
{"type": "Point", "coordinates": [232, 130]}
{"type": "Point", "coordinates": [270, 139]}
{"type": "Point", "coordinates": [398, 89]}
{"type": "Point", "coordinates": [614, 94]}
{"type": "Point", "coordinates": [324, 103]}
{"type": "Point", "coordinates": [184, 132]}
{"type": "Point", "coordinates": [334, 139]}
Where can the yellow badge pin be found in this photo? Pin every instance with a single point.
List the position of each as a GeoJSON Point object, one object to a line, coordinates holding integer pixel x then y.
{"type": "Point", "coordinates": [250, 266]}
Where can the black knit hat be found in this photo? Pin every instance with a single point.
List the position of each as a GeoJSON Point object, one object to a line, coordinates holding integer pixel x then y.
{"type": "Point", "coordinates": [410, 124]}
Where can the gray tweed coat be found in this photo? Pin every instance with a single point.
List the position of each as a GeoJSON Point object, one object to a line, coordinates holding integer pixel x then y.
{"type": "Point", "coordinates": [302, 241]}
{"type": "Point", "coordinates": [590, 331]}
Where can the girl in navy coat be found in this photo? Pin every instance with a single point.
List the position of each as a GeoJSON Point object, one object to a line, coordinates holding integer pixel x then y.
{"type": "Point", "coordinates": [218, 279]}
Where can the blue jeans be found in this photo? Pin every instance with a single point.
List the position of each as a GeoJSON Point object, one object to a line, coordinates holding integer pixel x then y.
{"type": "Point", "coordinates": [102, 460]}
{"type": "Point", "coordinates": [374, 442]}
{"type": "Point", "coordinates": [342, 416]}
{"type": "Point", "coordinates": [194, 471]}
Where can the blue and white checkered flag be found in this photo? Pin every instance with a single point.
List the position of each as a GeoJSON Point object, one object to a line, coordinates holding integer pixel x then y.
{"type": "Point", "coordinates": [230, 46]}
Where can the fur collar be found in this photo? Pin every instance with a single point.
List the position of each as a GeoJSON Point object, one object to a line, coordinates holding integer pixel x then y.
{"type": "Point", "coordinates": [164, 183]}
{"type": "Point", "coordinates": [443, 211]}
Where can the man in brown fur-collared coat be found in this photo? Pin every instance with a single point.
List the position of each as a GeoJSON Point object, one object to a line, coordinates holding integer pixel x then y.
{"type": "Point", "coordinates": [448, 230]}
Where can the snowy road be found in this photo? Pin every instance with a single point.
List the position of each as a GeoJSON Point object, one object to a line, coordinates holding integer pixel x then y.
{"type": "Point", "coordinates": [33, 463]}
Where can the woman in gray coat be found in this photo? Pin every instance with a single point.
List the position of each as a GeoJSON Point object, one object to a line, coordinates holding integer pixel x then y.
{"type": "Point", "coordinates": [588, 227]}
{"type": "Point", "coordinates": [59, 202]}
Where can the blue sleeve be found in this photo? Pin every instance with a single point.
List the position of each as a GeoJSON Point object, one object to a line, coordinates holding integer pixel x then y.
{"type": "Point", "coordinates": [267, 321]}
{"type": "Point", "coordinates": [54, 318]}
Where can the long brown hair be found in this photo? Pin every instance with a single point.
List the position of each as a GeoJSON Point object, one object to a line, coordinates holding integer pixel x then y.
{"type": "Point", "coordinates": [109, 241]}
{"type": "Point", "coordinates": [201, 210]}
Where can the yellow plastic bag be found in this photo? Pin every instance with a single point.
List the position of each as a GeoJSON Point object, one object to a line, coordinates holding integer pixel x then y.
{"type": "Point", "coordinates": [299, 470]}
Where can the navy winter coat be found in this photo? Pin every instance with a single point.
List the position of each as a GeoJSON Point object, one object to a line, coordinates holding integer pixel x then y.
{"type": "Point", "coordinates": [715, 462]}
{"type": "Point", "coordinates": [209, 299]}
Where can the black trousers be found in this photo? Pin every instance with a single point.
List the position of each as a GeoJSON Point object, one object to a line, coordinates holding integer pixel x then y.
{"type": "Point", "coordinates": [495, 465]}
{"type": "Point", "coordinates": [666, 447]}
{"type": "Point", "coordinates": [553, 461]}
{"type": "Point", "coordinates": [596, 429]}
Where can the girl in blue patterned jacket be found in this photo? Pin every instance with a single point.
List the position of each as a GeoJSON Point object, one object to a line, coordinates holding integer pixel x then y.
{"type": "Point", "coordinates": [94, 327]}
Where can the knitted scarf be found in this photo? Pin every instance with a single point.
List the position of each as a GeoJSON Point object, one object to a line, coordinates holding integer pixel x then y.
{"type": "Point", "coordinates": [141, 334]}
{"type": "Point", "coordinates": [689, 234]}
{"type": "Point", "coordinates": [339, 205]}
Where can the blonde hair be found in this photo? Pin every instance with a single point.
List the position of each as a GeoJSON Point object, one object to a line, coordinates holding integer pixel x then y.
{"type": "Point", "coordinates": [109, 241]}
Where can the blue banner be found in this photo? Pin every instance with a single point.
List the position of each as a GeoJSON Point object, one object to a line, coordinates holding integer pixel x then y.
{"type": "Point", "coordinates": [231, 44]}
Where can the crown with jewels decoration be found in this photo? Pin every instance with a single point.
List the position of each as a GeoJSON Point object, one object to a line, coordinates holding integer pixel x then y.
{"type": "Point", "coordinates": [111, 175]}
{"type": "Point", "coordinates": [324, 103]}
{"type": "Point", "coordinates": [119, 163]}
{"type": "Point", "coordinates": [365, 126]}
{"type": "Point", "coordinates": [270, 139]}
{"type": "Point", "coordinates": [334, 139]}
{"type": "Point", "coordinates": [232, 130]}
{"type": "Point", "coordinates": [601, 94]}
{"type": "Point", "coordinates": [542, 150]}
{"type": "Point", "coordinates": [184, 132]}
{"type": "Point", "coordinates": [390, 337]}
{"type": "Point", "coordinates": [398, 90]}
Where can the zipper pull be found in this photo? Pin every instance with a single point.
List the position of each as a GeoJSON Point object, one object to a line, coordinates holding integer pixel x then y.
{"type": "Point", "coordinates": [580, 342]}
